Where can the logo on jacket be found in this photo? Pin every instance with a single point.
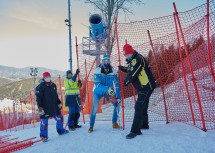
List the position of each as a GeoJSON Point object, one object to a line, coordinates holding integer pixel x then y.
{"type": "Point", "coordinates": [133, 62]}
{"type": "Point", "coordinates": [132, 68]}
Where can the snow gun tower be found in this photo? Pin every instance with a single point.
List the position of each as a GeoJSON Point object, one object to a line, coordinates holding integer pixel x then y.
{"type": "Point", "coordinates": [94, 44]}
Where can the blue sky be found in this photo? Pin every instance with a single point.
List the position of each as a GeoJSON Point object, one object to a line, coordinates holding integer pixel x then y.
{"type": "Point", "coordinates": [33, 33]}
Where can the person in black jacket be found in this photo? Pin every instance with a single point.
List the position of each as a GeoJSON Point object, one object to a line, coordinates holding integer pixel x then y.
{"type": "Point", "coordinates": [49, 105]}
{"type": "Point", "coordinates": [140, 75]}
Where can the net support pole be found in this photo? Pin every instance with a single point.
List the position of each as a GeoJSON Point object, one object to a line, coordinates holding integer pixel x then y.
{"type": "Point", "coordinates": [183, 70]}
{"type": "Point", "coordinates": [191, 69]}
{"type": "Point", "coordinates": [88, 75]}
{"type": "Point", "coordinates": [61, 94]}
{"type": "Point", "coordinates": [159, 74]}
{"type": "Point", "coordinates": [120, 73]}
{"type": "Point", "coordinates": [14, 116]}
{"type": "Point", "coordinates": [76, 45]}
{"type": "Point", "coordinates": [1, 123]}
{"type": "Point", "coordinates": [87, 89]}
{"type": "Point", "coordinates": [208, 40]}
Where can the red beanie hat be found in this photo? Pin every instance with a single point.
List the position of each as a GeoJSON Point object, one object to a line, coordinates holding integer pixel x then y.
{"type": "Point", "coordinates": [128, 49]}
{"type": "Point", "coordinates": [46, 74]}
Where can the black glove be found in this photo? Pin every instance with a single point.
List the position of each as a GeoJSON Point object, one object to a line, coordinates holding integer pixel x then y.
{"type": "Point", "coordinates": [77, 71]}
{"type": "Point", "coordinates": [128, 60]}
{"type": "Point", "coordinates": [125, 83]}
{"type": "Point", "coordinates": [41, 111]}
{"type": "Point", "coordinates": [120, 67]}
{"type": "Point", "coordinates": [107, 97]}
{"type": "Point", "coordinates": [79, 83]}
{"type": "Point", "coordinates": [118, 101]}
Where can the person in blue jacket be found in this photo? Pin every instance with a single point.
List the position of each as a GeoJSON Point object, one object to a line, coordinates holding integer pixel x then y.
{"type": "Point", "coordinates": [106, 84]}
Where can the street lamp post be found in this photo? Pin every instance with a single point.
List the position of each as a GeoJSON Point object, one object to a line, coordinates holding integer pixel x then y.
{"type": "Point", "coordinates": [68, 23]}
{"type": "Point", "coordinates": [33, 73]}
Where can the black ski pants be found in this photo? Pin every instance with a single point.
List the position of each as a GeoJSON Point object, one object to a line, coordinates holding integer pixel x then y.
{"type": "Point", "coordinates": [141, 110]}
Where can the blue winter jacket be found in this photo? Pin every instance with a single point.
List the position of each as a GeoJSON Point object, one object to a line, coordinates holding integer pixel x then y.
{"type": "Point", "coordinates": [103, 81]}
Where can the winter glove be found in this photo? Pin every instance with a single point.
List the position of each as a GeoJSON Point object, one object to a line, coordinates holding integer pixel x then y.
{"type": "Point", "coordinates": [120, 67]}
{"type": "Point", "coordinates": [77, 71]}
{"type": "Point", "coordinates": [111, 92]}
{"type": "Point", "coordinates": [107, 97]}
{"type": "Point", "coordinates": [79, 83]}
{"type": "Point", "coordinates": [118, 101]}
{"type": "Point", "coordinates": [128, 60]}
{"type": "Point", "coordinates": [60, 106]}
{"type": "Point", "coordinates": [41, 111]}
{"type": "Point", "coordinates": [125, 83]}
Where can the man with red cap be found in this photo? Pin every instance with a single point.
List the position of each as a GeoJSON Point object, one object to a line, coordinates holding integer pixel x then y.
{"type": "Point", "coordinates": [49, 105]}
{"type": "Point", "coordinates": [140, 75]}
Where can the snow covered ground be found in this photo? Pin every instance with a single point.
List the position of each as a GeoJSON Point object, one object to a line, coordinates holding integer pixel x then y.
{"type": "Point", "coordinates": [160, 138]}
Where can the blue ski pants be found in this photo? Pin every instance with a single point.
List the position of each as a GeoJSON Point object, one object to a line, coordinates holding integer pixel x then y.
{"type": "Point", "coordinates": [74, 115]}
{"type": "Point", "coordinates": [44, 125]}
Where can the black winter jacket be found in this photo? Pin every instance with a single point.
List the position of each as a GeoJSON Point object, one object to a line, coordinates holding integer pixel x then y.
{"type": "Point", "coordinates": [47, 98]}
{"type": "Point", "coordinates": [139, 73]}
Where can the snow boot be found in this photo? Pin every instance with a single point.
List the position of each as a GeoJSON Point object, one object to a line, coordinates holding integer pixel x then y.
{"type": "Point", "coordinates": [139, 133]}
{"type": "Point", "coordinates": [78, 126]}
{"type": "Point", "coordinates": [64, 132]}
{"type": "Point", "coordinates": [72, 128]}
{"type": "Point", "coordinates": [44, 139]}
{"type": "Point", "coordinates": [115, 126]}
{"type": "Point", "coordinates": [90, 129]}
{"type": "Point", "coordinates": [131, 135]}
{"type": "Point", "coordinates": [145, 127]}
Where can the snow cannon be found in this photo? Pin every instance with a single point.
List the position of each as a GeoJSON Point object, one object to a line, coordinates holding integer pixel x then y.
{"type": "Point", "coordinates": [97, 29]}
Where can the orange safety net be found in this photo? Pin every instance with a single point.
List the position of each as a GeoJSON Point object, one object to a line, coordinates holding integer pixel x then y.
{"type": "Point", "coordinates": [185, 91]}
{"type": "Point", "coordinates": [180, 49]}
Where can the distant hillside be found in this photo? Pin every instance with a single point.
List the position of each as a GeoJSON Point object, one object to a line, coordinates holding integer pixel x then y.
{"type": "Point", "coordinates": [20, 89]}
{"type": "Point", "coordinates": [21, 73]}
{"type": "Point", "coordinates": [4, 81]}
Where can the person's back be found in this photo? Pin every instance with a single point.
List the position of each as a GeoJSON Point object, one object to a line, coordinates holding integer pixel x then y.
{"type": "Point", "coordinates": [139, 72]}
{"type": "Point", "coordinates": [148, 72]}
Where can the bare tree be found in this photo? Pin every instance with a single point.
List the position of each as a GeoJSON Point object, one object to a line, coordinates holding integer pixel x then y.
{"type": "Point", "coordinates": [109, 9]}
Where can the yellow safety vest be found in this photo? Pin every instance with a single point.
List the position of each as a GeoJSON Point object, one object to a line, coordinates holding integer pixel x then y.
{"type": "Point", "coordinates": [71, 88]}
